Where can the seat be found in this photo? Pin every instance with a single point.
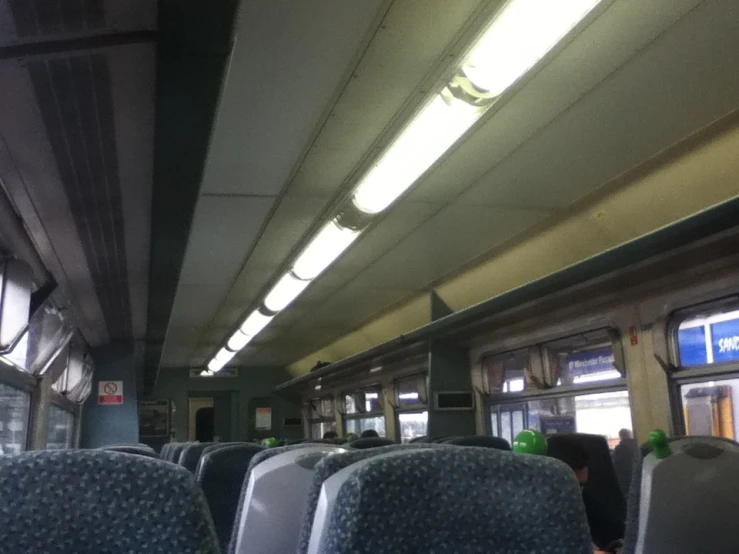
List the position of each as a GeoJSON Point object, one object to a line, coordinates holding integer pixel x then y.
{"type": "Point", "coordinates": [603, 482]}
{"type": "Point", "coordinates": [480, 440]}
{"type": "Point", "coordinates": [164, 452]}
{"type": "Point", "coordinates": [220, 474]}
{"type": "Point", "coordinates": [190, 455]}
{"type": "Point", "coordinates": [687, 501]}
{"type": "Point", "coordinates": [97, 501]}
{"type": "Point", "coordinates": [174, 453]}
{"type": "Point", "coordinates": [132, 449]}
{"type": "Point", "coordinates": [370, 442]}
{"type": "Point", "coordinates": [258, 458]}
{"type": "Point", "coordinates": [422, 438]}
{"type": "Point", "coordinates": [453, 499]}
{"type": "Point", "coordinates": [327, 467]}
{"type": "Point", "coordinates": [277, 488]}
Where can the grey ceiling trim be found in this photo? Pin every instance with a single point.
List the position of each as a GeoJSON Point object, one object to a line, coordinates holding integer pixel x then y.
{"type": "Point", "coordinates": [75, 100]}
{"type": "Point", "coordinates": [96, 42]}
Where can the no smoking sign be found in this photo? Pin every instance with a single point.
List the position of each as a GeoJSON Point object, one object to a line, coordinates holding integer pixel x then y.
{"type": "Point", "coordinates": [110, 392]}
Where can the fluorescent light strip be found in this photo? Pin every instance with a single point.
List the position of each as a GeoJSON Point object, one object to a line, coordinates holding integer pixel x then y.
{"type": "Point", "coordinates": [238, 341]}
{"type": "Point", "coordinates": [520, 36]}
{"type": "Point", "coordinates": [522, 33]}
{"type": "Point", "coordinates": [221, 359]}
{"type": "Point", "coordinates": [255, 323]}
{"type": "Point", "coordinates": [285, 291]}
{"type": "Point", "coordinates": [323, 250]}
{"type": "Point", "coordinates": [424, 140]}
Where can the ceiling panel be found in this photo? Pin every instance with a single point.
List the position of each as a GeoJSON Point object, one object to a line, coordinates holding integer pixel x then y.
{"type": "Point", "coordinates": [195, 304]}
{"type": "Point", "coordinates": [290, 57]}
{"type": "Point", "coordinates": [222, 232]}
{"type": "Point", "coordinates": [453, 237]}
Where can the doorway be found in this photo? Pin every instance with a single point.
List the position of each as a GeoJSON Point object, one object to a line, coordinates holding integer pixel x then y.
{"type": "Point", "coordinates": [210, 417]}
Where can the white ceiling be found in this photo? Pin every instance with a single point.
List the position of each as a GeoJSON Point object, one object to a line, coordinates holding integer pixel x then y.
{"type": "Point", "coordinates": [312, 91]}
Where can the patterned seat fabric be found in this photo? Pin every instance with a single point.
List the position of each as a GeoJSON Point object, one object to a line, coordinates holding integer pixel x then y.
{"type": "Point", "coordinates": [258, 458]}
{"type": "Point", "coordinates": [454, 499]}
{"type": "Point", "coordinates": [479, 440]}
{"type": "Point", "coordinates": [325, 469]}
{"type": "Point", "coordinates": [130, 449]}
{"type": "Point", "coordinates": [220, 473]}
{"type": "Point", "coordinates": [190, 455]}
{"type": "Point", "coordinates": [100, 502]}
{"type": "Point", "coordinates": [370, 442]}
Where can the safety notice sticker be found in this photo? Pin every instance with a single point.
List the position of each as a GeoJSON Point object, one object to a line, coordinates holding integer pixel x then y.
{"type": "Point", "coordinates": [110, 392]}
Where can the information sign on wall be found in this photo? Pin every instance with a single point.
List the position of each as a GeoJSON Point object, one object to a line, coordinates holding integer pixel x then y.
{"type": "Point", "coordinates": [110, 392]}
{"type": "Point", "coordinates": [264, 419]}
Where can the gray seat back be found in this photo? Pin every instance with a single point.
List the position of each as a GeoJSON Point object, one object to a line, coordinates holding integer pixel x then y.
{"type": "Point", "coordinates": [271, 518]}
{"type": "Point", "coordinates": [454, 499]}
{"type": "Point", "coordinates": [220, 474]}
{"type": "Point", "coordinates": [93, 501]}
{"type": "Point", "coordinates": [480, 440]}
{"type": "Point", "coordinates": [370, 442]}
{"type": "Point", "coordinates": [686, 502]}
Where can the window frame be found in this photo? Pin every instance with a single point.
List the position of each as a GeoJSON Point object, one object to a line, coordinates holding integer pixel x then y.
{"type": "Point", "coordinates": [421, 405]}
{"type": "Point", "coordinates": [678, 375]}
{"type": "Point", "coordinates": [311, 413]}
{"type": "Point", "coordinates": [346, 417]}
{"type": "Point", "coordinates": [64, 404]}
{"type": "Point", "coordinates": [538, 355]}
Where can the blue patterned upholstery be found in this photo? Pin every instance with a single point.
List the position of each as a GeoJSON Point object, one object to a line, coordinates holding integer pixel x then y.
{"type": "Point", "coordinates": [326, 468]}
{"type": "Point", "coordinates": [100, 502]}
{"type": "Point", "coordinates": [370, 442]}
{"type": "Point", "coordinates": [220, 474]}
{"type": "Point", "coordinates": [453, 499]}
{"type": "Point", "coordinates": [131, 449]}
{"type": "Point", "coordinates": [480, 440]}
{"type": "Point", "coordinates": [256, 460]}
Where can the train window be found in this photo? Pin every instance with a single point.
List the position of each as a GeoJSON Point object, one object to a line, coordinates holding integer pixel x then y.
{"type": "Point", "coordinates": [59, 430]}
{"type": "Point", "coordinates": [364, 411]}
{"type": "Point", "coordinates": [710, 337]}
{"type": "Point", "coordinates": [15, 410]}
{"type": "Point", "coordinates": [321, 416]}
{"type": "Point", "coordinates": [411, 393]}
{"type": "Point", "coordinates": [603, 413]}
{"type": "Point", "coordinates": [364, 401]}
{"type": "Point", "coordinates": [506, 372]}
{"type": "Point", "coordinates": [17, 356]}
{"type": "Point", "coordinates": [583, 359]}
{"type": "Point", "coordinates": [413, 425]}
{"type": "Point", "coordinates": [710, 408]}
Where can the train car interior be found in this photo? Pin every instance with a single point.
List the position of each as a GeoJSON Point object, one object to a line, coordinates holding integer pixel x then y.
{"type": "Point", "coordinates": [353, 276]}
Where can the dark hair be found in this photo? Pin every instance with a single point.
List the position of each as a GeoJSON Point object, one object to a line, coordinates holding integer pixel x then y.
{"type": "Point", "coordinates": [330, 435]}
{"type": "Point", "coordinates": [568, 450]}
{"type": "Point", "coordinates": [369, 433]}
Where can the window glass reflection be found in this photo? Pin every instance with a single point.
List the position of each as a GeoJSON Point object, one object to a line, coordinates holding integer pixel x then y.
{"type": "Point", "coordinates": [59, 432]}
{"type": "Point", "coordinates": [413, 425]}
{"type": "Point", "coordinates": [15, 410]}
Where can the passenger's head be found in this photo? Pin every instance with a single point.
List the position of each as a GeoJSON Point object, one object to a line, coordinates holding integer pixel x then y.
{"type": "Point", "coordinates": [369, 433]}
{"type": "Point", "coordinates": [624, 434]}
{"type": "Point", "coordinates": [571, 452]}
{"type": "Point", "coordinates": [330, 435]}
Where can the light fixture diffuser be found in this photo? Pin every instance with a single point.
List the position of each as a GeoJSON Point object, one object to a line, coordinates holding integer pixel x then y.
{"type": "Point", "coordinates": [255, 323]}
{"type": "Point", "coordinates": [285, 291]}
{"type": "Point", "coordinates": [238, 341]}
{"type": "Point", "coordinates": [325, 247]}
{"type": "Point", "coordinates": [221, 359]}
{"type": "Point", "coordinates": [521, 35]}
{"type": "Point", "coordinates": [424, 140]}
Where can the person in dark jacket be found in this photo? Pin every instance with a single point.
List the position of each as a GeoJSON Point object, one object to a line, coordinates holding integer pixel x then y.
{"type": "Point", "coordinates": [605, 529]}
{"type": "Point", "coordinates": [624, 455]}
